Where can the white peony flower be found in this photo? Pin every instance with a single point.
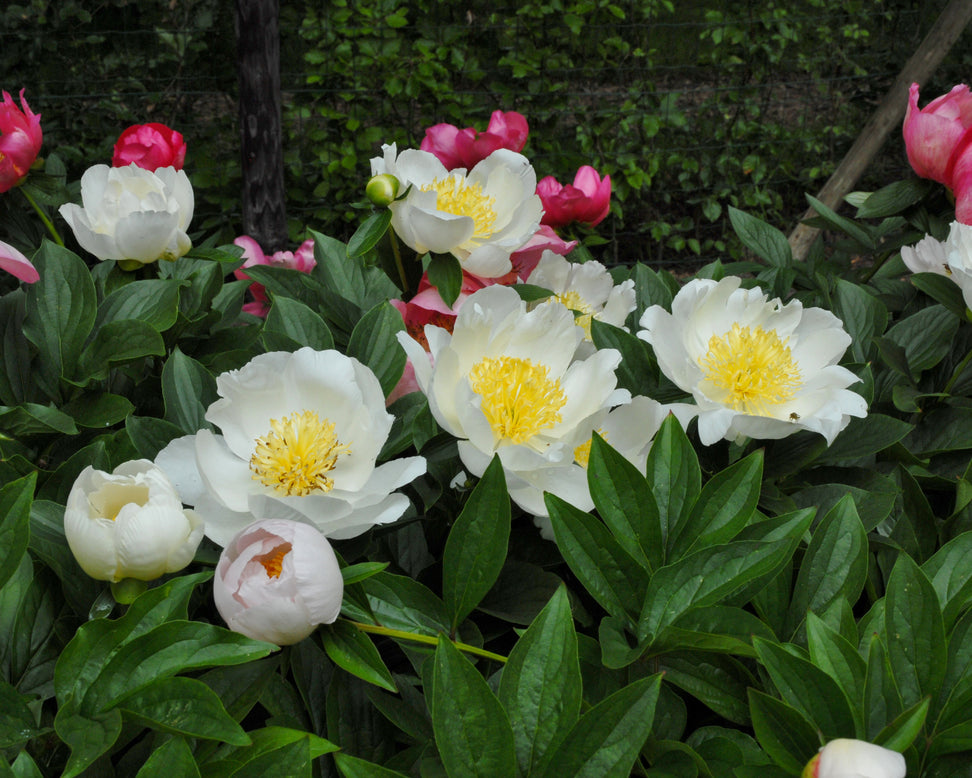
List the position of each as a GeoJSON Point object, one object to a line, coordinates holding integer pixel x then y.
{"type": "Point", "coordinates": [481, 217]}
{"type": "Point", "coordinates": [129, 523]}
{"type": "Point", "coordinates": [277, 580]}
{"type": "Point", "coordinates": [132, 214]}
{"type": "Point", "coordinates": [585, 288]}
{"type": "Point", "coordinates": [844, 758]}
{"type": "Point", "coordinates": [301, 433]}
{"type": "Point", "coordinates": [755, 367]}
{"type": "Point", "coordinates": [630, 430]}
{"type": "Point", "coordinates": [951, 258]}
{"type": "Point", "coordinates": [505, 382]}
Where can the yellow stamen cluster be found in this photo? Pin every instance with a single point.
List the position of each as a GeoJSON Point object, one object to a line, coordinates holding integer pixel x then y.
{"type": "Point", "coordinates": [295, 457]}
{"type": "Point", "coordinates": [572, 300]}
{"type": "Point", "coordinates": [453, 194]}
{"type": "Point", "coordinates": [750, 370]}
{"type": "Point", "coordinates": [519, 399]}
{"type": "Point", "coordinates": [582, 454]}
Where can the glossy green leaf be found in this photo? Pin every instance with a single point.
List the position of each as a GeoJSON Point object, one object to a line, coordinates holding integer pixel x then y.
{"type": "Point", "coordinates": [153, 301]}
{"type": "Point", "coordinates": [17, 724]}
{"type": "Point", "coordinates": [183, 706]}
{"type": "Point", "coordinates": [623, 499]}
{"type": "Point", "coordinates": [673, 471]}
{"type": "Point", "coordinates": [339, 272]}
{"type": "Point", "coordinates": [602, 566]}
{"type": "Point", "coordinates": [472, 731]}
{"type": "Point", "coordinates": [915, 632]}
{"type": "Point", "coordinates": [606, 740]}
{"type": "Point", "coordinates": [808, 688]}
{"type": "Point", "coordinates": [291, 325]}
{"type": "Point", "coordinates": [476, 548]}
{"type": "Point", "coordinates": [115, 343]}
{"type": "Point", "coordinates": [724, 506]}
{"type": "Point", "coordinates": [399, 602]}
{"type": "Point", "coordinates": [445, 274]}
{"type": "Point", "coordinates": [833, 654]}
{"type": "Point", "coordinates": [369, 232]}
{"type": "Point", "coordinates": [882, 703]}
{"type": "Point", "coordinates": [717, 680]}
{"type": "Point", "coordinates": [863, 314]}
{"type": "Point", "coordinates": [637, 371]}
{"type": "Point", "coordinates": [705, 577]}
{"type": "Point", "coordinates": [903, 731]}
{"type": "Point", "coordinates": [172, 759]}
{"type": "Point", "coordinates": [150, 435]}
{"type": "Point", "coordinates": [950, 573]}
{"type": "Point", "coordinates": [835, 564]}
{"type": "Point", "coordinates": [188, 390]}
{"type": "Point", "coordinates": [352, 767]}
{"type": "Point", "coordinates": [374, 344]}
{"type": "Point", "coordinates": [352, 649]}
{"type": "Point", "coordinates": [783, 732]}
{"type": "Point", "coordinates": [15, 502]}
{"type": "Point", "coordinates": [540, 686]}
{"type": "Point", "coordinates": [61, 308]}
{"type": "Point", "coordinates": [926, 336]}
{"type": "Point", "coordinates": [761, 238]}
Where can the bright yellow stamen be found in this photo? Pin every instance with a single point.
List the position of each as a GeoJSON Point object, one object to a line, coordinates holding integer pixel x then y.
{"type": "Point", "coordinates": [295, 457]}
{"type": "Point", "coordinates": [750, 370]}
{"type": "Point", "coordinates": [272, 561]}
{"type": "Point", "coordinates": [572, 300]}
{"type": "Point", "coordinates": [582, 454]}
{"type": "Point", "coordinates": [455, 195]}
{"type": "Point", "coordinates": [518, 398]}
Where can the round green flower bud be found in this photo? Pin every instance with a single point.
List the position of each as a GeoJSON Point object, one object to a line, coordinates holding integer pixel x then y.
{"type": "Point", "coordinates": [382, 189]}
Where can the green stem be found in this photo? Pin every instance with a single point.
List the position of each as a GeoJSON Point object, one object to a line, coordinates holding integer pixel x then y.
{"type": "Point", "coordinates": [398, 260]}
{"type": "Point", "coordinates": [958, 371]}
{"type": "Point", "coordinates": [47, 222]}
{"type": "Point", "coordinates": [869, 274]}
{"type": "Point", "coordinates": [376, 629]}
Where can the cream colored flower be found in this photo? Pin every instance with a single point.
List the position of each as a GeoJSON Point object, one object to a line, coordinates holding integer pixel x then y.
{"type": "Point", "coordinates": [277, 580]}
{"type": "Point", "coordinates": [951, 258]}
{"type": "Point", "coordinates": [132, 214]}
{"type": "Point", "coordinates": [301, 433]}
{"type": "Point", "coordinates": [506, 382]}
{"type": "Point", "coordinates": [129, 523]}
{"type": "Point", "coordinates": [480, 217]}
{"type": "Point", "coordinates": [754, 366]}
{"type": "Point", "coordinates": [845, 758]}
{"type": "Point", "coordinates": [585, 288]}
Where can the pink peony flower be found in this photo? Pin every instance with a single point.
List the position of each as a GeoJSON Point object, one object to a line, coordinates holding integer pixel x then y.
{"type": "Point", "coordinates": [150, 146]}
{"type": "Point", "coordinates": [277, 580]}
{"type": "Point", "coordinates": [17, 264]}
{"type": "Point", "coordinates": [20, 140]}
{"type": "Point", "coordinates": [526, 259]}
{"type": "Point", "coordinates": [937, 140]}
{"type": "Point", "coordinates": [302, 260]}
{"type": "Point", "coordinates": [587, 200]}
{"type": "Point", "coordinates": [456, 148]}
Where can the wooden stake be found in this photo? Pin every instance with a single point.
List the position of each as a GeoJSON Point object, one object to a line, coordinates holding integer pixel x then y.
{"type": "Point", "coordinates": [888, 115]}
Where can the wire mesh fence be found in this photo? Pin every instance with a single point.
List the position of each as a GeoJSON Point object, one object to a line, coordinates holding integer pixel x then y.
{"type": "Point", "coordinates": [690, 108]}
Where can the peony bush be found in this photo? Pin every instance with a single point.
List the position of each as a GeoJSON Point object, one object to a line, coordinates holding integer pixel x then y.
{"type": "Point", "coordinates": [455, 499]}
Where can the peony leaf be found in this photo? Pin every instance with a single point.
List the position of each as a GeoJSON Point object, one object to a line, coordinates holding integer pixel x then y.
{"type": "Point", "coordinates": [352, 767]}
{"type": "Point", "coordinates": [188, 389]}
{"type": "Point", "coordinates": [352, 649]}
{"type": "Point", "coordinates": [782, 731]}
{"type": "Point", "coordinates": [762, 239]}
{"type": "Point", "coordinates": [155, 302]}
{"type": "Point", "coordinates": [172, 759]}
{"type": "Point", "coordinates": [541, 684]}
{"type": "Point", "coordinates": [476, 548]}
{"type": "Point", "coordinates": [445, 274]}
{"type": "Point", "coordinates": [370, 231]}
{"type": "Point", "coordinates": [624, 500]}
{"type": "Point", "coordinates": [472, 730]}
{"type": "Point", "coordinates": [291, 325]}
{"type": "Point", "coordinates": [606, 740]}
{"type": "Point", "coordinates": [673, 471]}
{"type": "Point", "coordinates": [373, 343]}
{"type": "Point", "coordinates": [15, 501]}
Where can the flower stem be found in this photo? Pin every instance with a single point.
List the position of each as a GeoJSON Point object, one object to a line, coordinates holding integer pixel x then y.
{"type": "Point", "coordinates": [377, 629]}
{"type": "Point", "coordinates": [396, 250]}
{"type": "Point", "coordinates": [47, 222]}
{"type": "Point", "coordinates": [957, 372]}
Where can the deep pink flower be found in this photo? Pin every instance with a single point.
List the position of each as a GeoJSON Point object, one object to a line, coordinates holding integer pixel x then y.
{"type": "Point", "coordinates": [150, 146]}
{"type": "Point", "coordinates": [302, 260]}
{"type": "Point", "coordinates": [20, 140]}
{"type": "Point", "coordinates": [17, 264]}
{"type": "Point", "coordinates": [526, 259]}
{"type": "Point", "coordinates": [938, 140]}
{"type": "Point", "coordinates": [465, 148]}
{"type": "Point", "coordinates": [587, 200]}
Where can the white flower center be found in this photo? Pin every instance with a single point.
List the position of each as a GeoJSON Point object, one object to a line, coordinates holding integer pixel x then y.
{"type": "Point", "coordinates": [750, 370]}
{"type": "Point", "coordinates": [519, 400]}
{"type": "Point", "coordinates": [295, 457]}
{"type": "Point", "coordinates": [455, 195]}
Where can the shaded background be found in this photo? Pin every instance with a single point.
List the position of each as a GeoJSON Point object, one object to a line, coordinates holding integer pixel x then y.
{"type": "Point", "coordinates": [690, 106]}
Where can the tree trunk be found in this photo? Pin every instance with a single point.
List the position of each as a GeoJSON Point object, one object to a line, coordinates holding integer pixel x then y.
{"type": "Point", "coordinates": [261, 141]}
